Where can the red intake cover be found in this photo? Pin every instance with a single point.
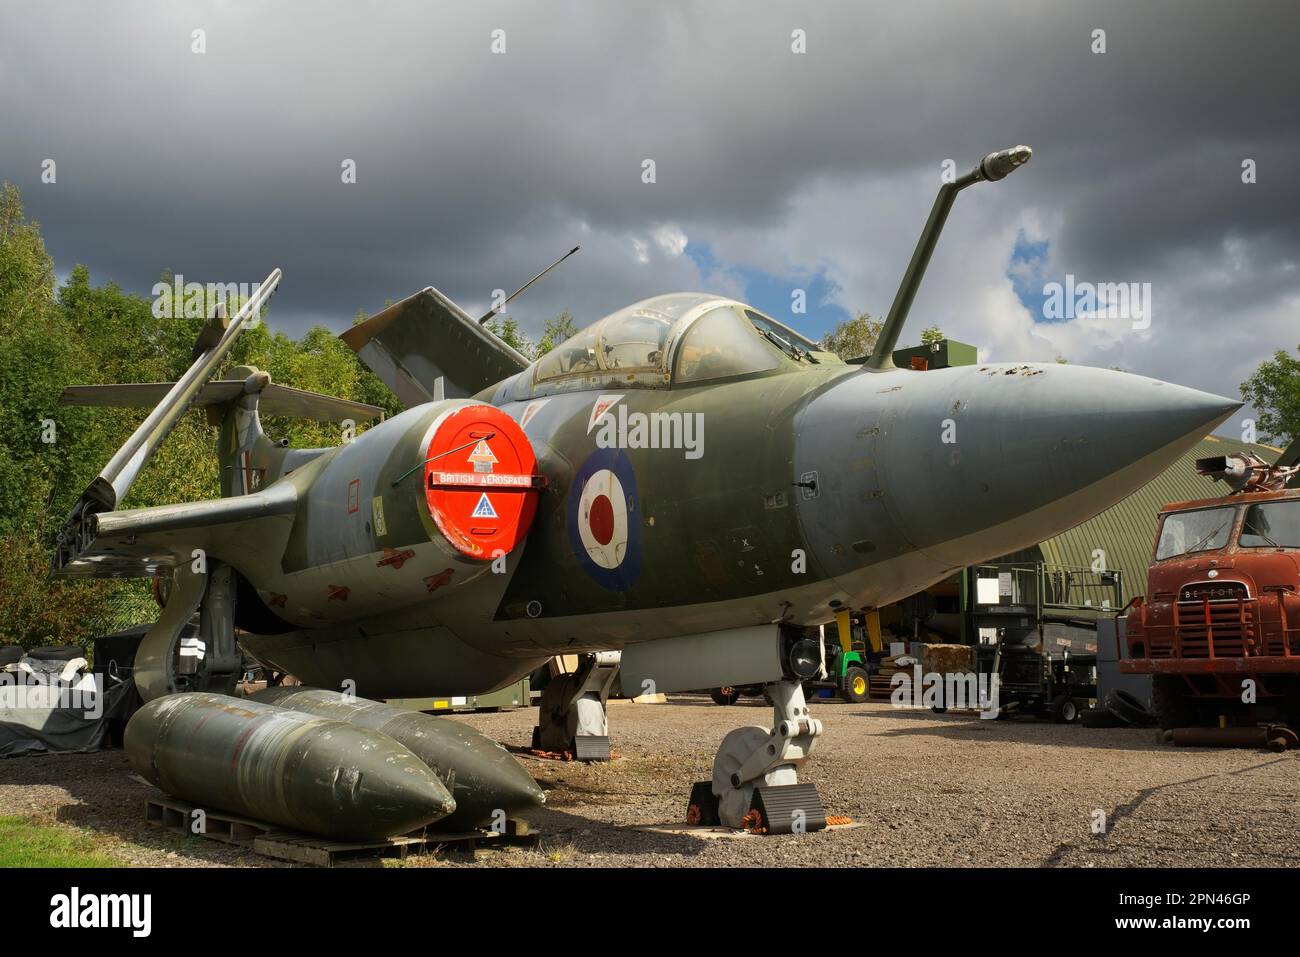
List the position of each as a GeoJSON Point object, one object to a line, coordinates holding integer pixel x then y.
{"type": "Point", "coordinates": [479, 481]}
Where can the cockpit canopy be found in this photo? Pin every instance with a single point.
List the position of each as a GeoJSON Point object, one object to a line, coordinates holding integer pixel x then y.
{"type": "Point", "coordinates": [669, 340]}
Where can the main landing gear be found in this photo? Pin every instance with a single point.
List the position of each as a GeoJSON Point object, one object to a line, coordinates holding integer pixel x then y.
{"type": "Point", "coordinates": [571, 714]}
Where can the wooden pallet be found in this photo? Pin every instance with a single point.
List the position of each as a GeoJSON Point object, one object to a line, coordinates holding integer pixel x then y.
{"type": "Point", "coordinates": [272, 841]}
{"type": "Point", "coordinates": [879, 687]}
{"type": "Point", "coordinates": [321, 852]}
{"type": "Point", "coordinates": [177, 815]}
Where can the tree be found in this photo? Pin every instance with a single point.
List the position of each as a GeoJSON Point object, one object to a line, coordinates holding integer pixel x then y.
{"type": "Point", "coordinates": [506, 328]}
{"type": "Point", "coordinates": [45, 448]}
{"type": "Point", "coordinates": [557, 329]}
{"type": "Point", "coordinates": [932, 335]}
{"type": "Point", "coordinates": [1274, 391]}
{"type": "Point", "coordinates": [853, 338]}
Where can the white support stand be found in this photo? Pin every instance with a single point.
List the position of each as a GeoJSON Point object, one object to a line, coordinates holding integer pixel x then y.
{"type": "Point", "coordinates": [752, 756]}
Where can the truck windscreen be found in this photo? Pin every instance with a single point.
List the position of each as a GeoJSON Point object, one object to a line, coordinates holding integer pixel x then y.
{"type": "Point", "coordinates": [1202, 530]}
{"type": "Point", "coordinates": [1272, 525]}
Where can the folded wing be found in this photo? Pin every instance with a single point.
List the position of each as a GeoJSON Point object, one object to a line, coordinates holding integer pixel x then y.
{"type": "Point", "coordinates": [426, 347]}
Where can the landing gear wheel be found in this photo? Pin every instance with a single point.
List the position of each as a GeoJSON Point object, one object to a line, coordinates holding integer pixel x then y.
{"type": "Point", "coordinates": [1064, 710]}
{"type": "Point", "coordinates": [566, 713]}
{"type": "Point", "coordinates": [727, 694]}
{"type": "Point", "coordinates": [1173, 706]}
{"type": "Point", "coordinates": [854, 685]}
{"type": "Point", "coordinates": [736, 748]}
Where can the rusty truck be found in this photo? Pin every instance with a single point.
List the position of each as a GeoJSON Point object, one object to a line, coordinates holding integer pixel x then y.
{"type": "Point", "coordinates": [1218, 630]}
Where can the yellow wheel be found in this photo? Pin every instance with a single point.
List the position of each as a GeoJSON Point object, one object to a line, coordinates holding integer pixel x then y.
{"type": "Point", "coordinates": [854, 685]}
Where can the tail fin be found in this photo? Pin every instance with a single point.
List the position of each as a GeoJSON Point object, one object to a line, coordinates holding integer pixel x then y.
{"type": "Point", "coordinates": [248, 459]}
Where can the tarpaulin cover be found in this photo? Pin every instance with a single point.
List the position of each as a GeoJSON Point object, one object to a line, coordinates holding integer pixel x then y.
{"type": "Point", "coordinates": [32, 722]}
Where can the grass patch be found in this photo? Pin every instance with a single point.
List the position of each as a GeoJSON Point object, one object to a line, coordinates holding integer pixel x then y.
{"type": "Point", "coordinates": [562, 854]}
{"type": "Point", "coordinates": [24, 843]}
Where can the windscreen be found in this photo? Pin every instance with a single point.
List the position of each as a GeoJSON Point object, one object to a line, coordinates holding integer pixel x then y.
{"type": "Point", "coordinates": [1202, 530]}
{"type": "Point", "coordinates": [1272, 525]}
{"type": "Point", "coordinates": [720, 345]}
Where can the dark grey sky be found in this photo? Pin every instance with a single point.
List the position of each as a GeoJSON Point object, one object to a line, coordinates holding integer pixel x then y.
{"type": "Point", "coordinates": [474, 169]}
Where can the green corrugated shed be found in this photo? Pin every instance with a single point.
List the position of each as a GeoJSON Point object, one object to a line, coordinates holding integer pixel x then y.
{"type": "Point", "coordinates": [1127, 531]}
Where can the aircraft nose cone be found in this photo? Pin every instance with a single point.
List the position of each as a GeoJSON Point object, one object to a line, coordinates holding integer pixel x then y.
{"type": "Point", "coordinates": [1016, 454]}
{"type": "Point", "coordinates": [926, 472]}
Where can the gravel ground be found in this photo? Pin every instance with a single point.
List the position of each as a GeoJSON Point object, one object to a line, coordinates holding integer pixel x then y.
{"type": "Point", "coordinates": [930, 789]}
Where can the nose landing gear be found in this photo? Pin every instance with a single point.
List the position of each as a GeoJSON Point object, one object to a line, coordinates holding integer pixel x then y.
{"type": "Point", "coordinates": [755, 778]}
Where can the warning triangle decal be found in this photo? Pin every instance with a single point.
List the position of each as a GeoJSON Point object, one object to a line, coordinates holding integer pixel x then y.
{"type": "Point", "coordinates": [482, 457]}
{"type": "Point", "coordinates": [484, 508]}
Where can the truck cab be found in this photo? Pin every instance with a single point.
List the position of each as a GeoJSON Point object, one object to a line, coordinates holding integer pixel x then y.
{"type": "Point", "coordinates": [1219, 627]}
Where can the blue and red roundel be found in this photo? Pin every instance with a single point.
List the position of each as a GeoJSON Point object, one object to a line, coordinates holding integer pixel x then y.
{"type": "Point", "coordinates": [604, 525]}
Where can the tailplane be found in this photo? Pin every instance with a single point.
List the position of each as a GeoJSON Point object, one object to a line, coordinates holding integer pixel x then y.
{"type": "Point", "coordinates": [247, 457]}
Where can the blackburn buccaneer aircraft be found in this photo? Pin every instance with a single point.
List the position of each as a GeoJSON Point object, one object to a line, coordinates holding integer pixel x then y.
{"type": "Point", "coordinates": [687, 482]}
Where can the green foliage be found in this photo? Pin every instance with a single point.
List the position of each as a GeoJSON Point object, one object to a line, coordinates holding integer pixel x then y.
{"type": "Point", "coordinates": [557, 330]}
{"type": "Point", "coordinates": [932, 335]}
{"type": "Point", "coordinates": [1274, 390]}
{"type": "Point", "coordinates": [853, 338]}
{"type": "Point", "coordinates": [80, 333]}
{"type": "Point", "coordinates": [506, 328]}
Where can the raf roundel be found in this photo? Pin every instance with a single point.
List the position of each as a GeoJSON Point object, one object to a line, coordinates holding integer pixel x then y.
{"type": "Point", "coordinates": [603, 525]}
{"type": "Point", "coordinates": [602, 519]}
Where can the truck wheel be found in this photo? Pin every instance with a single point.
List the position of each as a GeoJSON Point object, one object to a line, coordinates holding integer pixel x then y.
{"type": "Point", "coordinates": [1099, 718]}
{"type": "Point", "coordinates": [1128, 709]}
{"type": "Point", "coordinates": [1064, 710]}
{"type": "Point", "coordinates": [1173, 706]}
{"type": "Point", "coordinates": [725, 695]}
{"type": "Point", "coordinates": [854, 685]}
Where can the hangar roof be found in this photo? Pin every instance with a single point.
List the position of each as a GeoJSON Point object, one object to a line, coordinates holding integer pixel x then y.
{"type": "Point", "coordinates": [1127, 531]}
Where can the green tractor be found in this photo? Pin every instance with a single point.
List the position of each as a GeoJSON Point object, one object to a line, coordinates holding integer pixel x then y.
{"type": "Point", "coordinates": [846, 661]}
{"type": "Point", "coordinates": [846, 669]}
